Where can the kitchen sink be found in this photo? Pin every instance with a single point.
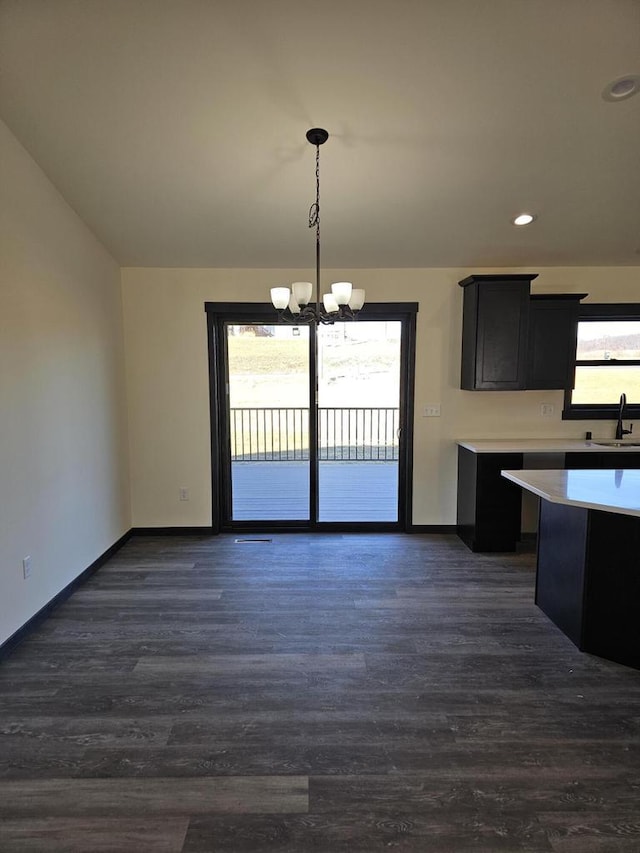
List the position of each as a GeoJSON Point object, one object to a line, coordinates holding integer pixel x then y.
{"type": "Point", "coordinates": [617, 443]}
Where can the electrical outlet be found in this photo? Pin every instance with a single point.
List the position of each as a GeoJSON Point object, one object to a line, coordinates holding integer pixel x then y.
{"type": "Point", "coordinates": [432, 410]}
{"type": "Point", "coordinates": [26, 567]}
{"type": "Point", "coordinates": [184, 494]}
{"type": "Point", "coordinates": [547, 410]}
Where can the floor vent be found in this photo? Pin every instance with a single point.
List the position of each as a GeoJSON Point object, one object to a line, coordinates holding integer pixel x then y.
{"type": "Point", "coordinates": [249, 541]}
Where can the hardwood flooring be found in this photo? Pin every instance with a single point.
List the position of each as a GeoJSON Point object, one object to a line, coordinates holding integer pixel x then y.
{"type": "Point", "coordinates": [319, 693]}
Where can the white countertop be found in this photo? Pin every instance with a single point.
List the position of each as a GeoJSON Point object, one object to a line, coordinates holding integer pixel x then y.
{"type": "Point", "coordinates": [604, 489]}
{"type": "Point", "coordinates": [545, 445]}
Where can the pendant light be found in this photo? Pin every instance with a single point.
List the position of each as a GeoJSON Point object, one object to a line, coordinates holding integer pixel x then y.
{"type": "Point", "coordinates": [294, 304]}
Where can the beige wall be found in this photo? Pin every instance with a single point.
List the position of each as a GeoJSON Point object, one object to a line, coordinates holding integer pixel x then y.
{"type": "Point", "coordinates": [167, 377]}
{"type": "Point", "coordinates": [64, 494]}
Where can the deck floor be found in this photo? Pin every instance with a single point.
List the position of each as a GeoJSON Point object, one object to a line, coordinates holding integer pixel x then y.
{"type": "Point", "coordinates": [348, 491]}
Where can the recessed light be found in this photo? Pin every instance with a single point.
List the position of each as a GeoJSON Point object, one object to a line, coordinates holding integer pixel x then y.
{"type": "Point", "coordinates": [622, 88]}
{"type": "Point", "coordinates": [524, 219]}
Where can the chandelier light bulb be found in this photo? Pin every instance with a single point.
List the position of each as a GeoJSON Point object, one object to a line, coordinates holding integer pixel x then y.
{"type": "Point", "coordinates": [342, 292]}
{"type": "Point", "coordinates": [357, 299]}
{"type": "Point", "coordinates": [293, 305]}
{"type": "Point", "coordinates": [330, 304]}
{"type": "Point", "coordinates": [302, 291]}
{"type": "Point", "coordinates": [280, 297]}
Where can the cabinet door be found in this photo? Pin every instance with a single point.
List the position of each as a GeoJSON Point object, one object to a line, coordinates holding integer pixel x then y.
{"type": "Point", "coordinates": [553, 329]}
{"type": "Point", "coordinates": [494, 336]}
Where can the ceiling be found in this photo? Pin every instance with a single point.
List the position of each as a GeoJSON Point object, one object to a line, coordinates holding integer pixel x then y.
{"type": "Point", "coordinates": [176, 128]}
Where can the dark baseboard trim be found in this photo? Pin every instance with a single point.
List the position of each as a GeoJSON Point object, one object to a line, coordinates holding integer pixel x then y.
{"type": "Point", "coordinates": [272, 529]}
{"type": "Point", "coordinates": [172, 531]}
{"type": "Point", "coordinates": [16, 638]}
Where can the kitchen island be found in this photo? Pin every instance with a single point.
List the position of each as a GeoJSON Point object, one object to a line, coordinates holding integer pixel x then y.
{"type": "Point", "coordinates": [489, 507]}
{"type": "Point", "coordinates": [588, 566]}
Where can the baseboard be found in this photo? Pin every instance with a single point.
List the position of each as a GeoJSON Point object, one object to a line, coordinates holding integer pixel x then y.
{"type": "Point", "coordinates": [63, 595]}
{"type": "Point", "coordinates": [172, 531]}
{"type": "Point", "coordinates": [328, 528]}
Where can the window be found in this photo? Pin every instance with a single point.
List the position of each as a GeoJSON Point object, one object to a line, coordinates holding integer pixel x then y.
{"type": "Point", "coordinates": [607, 363]}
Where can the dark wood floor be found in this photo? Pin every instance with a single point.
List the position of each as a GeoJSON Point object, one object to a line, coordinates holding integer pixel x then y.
{"type": "Point", "coordinates": [319, 693]}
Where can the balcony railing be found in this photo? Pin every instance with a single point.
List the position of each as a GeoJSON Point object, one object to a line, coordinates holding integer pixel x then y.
{"type": "Point", "coordinates": [344, 434]}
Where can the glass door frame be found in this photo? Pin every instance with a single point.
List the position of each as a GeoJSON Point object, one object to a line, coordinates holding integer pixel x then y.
{"type": "Point", "coordinates": [219, 316]}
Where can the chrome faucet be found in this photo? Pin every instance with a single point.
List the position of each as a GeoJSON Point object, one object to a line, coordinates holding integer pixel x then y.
{"type": "Point", "coordinates": [620, 431]}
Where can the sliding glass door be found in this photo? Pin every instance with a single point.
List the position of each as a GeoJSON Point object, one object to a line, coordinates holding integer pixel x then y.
{"type": "Point", "coordinates": [358, 415]}
{"type": "Point", "coordinates": [268, 421]}
{"type": "Point", "coordinates": [310, 425]}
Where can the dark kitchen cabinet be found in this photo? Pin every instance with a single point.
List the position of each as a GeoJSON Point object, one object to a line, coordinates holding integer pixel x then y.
{"type": "Point", "coordinates": [488, 516]}
{"type": "Point", "coordinates": [513, 341]}
{"type": "Point", "coordinates": [551, 340]}
{"type": "Point", "coordinates": [495, 322]}
{"type": "Point", "coordinates": [488, 512]}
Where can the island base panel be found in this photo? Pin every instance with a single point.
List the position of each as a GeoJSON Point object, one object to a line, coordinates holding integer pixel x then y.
{"type": "Point", "coordinates": [562, 532]}
{"type": "Point", "coordinates": [612, 629]}
{"type": "Point", "coordinates": [588, 579]}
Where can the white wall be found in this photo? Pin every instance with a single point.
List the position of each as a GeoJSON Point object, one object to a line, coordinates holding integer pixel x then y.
{"type": "Point", "coordinates": [167, 377]}
{"type": "Point", "coordinates": [64, 493]}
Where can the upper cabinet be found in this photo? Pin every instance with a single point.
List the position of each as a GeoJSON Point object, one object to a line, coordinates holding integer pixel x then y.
{"type": "Point", "coordinates": [512, 341]}
{"type": "Point", "coordinates": [552, 340]}
{"type": "Point", "coordinates": [495, 321]}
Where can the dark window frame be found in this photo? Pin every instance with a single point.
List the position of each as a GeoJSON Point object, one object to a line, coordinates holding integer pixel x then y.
{"type": "Point", "coordinates": [602, 411]}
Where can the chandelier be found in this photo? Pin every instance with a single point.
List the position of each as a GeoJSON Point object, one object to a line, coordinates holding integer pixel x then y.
{"type": "Point", "coordinates": [294, 304]}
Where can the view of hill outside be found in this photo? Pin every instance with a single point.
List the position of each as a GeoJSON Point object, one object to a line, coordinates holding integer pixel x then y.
{"type": "Point", "coordinates": [358, 366]}
{"type": "Point", "coordinates": [613, 341]}
{"type": "Point", "coordinates": [268, 391]}
{"type": "Point", "coordinates": [359, 390]}
{"type": "Point", "coordinates": [357, 361]}
{"type": "Point", "coordinates": [267, 366]}
{"type": "Point", "coordinates": [606, 340]}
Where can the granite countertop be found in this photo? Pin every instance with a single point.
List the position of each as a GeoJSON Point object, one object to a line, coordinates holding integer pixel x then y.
{"type": "Point", "coordinates": [546, 445]}
{"type": "Point", "coordinates": [609, 490]}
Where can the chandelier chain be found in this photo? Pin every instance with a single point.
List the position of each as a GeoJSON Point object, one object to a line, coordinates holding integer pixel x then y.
{"type": "Point", "coordinates": [314, 210]}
